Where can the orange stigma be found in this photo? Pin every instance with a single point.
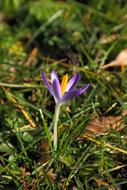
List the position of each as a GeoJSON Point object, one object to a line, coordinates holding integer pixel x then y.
{"type": "Point", "coordinates": [64, 83]}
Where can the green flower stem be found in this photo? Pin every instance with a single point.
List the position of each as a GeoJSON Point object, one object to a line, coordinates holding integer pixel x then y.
{"type": "Point", "coordinates": [57, 113]}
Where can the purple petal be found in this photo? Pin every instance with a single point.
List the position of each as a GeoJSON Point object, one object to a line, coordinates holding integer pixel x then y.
{"type": "Point", "coordinates": [56, 85]}
{"type": "Point", "coordinates": [57, 89]}
{"type": "Point", "coordinates": [72, 94]}
{"type": "Point", "coordinates": [47, 83]}
{"type": "Point", "coordinates": [54, 76]}
{"type": "Point", "coordinates": [73, 82]}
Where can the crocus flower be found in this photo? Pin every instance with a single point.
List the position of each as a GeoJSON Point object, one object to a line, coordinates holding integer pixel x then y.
{"type": "Point", "coordinates": [66, 90]}
{"type": "Point", "coordinates": [62, 93]}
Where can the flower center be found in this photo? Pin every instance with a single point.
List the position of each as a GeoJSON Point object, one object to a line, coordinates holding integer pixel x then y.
{"type": "Point", "coordinates": [64, 83]}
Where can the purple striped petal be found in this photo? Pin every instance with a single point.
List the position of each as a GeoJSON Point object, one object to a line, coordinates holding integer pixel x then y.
{"type": "Point", "coordinates": [56, 85]}
{"type": "Point", "coordinates": [47, 84]}
{"type": "Point", "coordinates": [54, 76]}
{"type": "Point", "coordinates": [74, 93]}
{"type": "Point", "coordinates": [57, 89]}
{"type": "Point", "coordinates": [73, 82]}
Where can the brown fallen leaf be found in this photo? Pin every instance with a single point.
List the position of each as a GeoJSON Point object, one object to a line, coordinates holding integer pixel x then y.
{"type": "Point", "coordinates": [25, 184]}
{"type": "Point", "coordinates": [45, 152]}
{"type": "Point", "coordinates": [120, 61]}
{"type": "Point", "coordinates": [32, 56]}
{"type": "Point", "coordinates": [51, 174]}
{"type": "Point", "coordinates": [102, 125]}
{"type": "Point", "coordinates": [100, 182]}
{"type": "Point", "coordinates": [75, 188]}
{"type": "Point", "coordinates": [114, 188]}
{"type": "Point", "coordinates": [3, 18]}
{"type": "Point", "coordinates": [108, 39]}
{"type": "Point", "coordinates": [103, 183]}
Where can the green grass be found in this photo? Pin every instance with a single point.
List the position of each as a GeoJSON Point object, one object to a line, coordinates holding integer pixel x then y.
{"type": "Point", "coordinates": [69, 37]}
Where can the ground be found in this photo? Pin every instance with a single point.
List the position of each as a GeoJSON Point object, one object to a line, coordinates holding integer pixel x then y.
{"type": "Point", "coordinates": [69, 37]}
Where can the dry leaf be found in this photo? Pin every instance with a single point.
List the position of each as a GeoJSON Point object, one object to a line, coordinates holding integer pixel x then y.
{"type": "Point", "coordinates": [25, 185]}
{"type": "Point", "coordinates": [114, 188]}
{"type": "Point", "coordinates": [75, 188]}
{"type": "Point", "coordinates": [103, 183]}
{"type": "Point", "coordinates": [24, 172]}
{"type": "Point", "coordinates": [120, 61]}
{"type": "Point", "coordinates": [108, 39]}
{"type": "Point", "coordinates": [32, 57]}
{"type": "Point", "coordinates": [102, 125]}
{"type": "Point", "coordinates": [100, 182]}
{"type": "Point", "coordinates": [3, 18]}
{"type": "Point", "coordinates": [51, 175]}
{"type": "Point", "coordinates": [45, 152]}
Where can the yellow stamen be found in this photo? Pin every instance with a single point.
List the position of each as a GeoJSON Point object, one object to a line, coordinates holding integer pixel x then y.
{"type": "Point", "coordinates": [64, 83]}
